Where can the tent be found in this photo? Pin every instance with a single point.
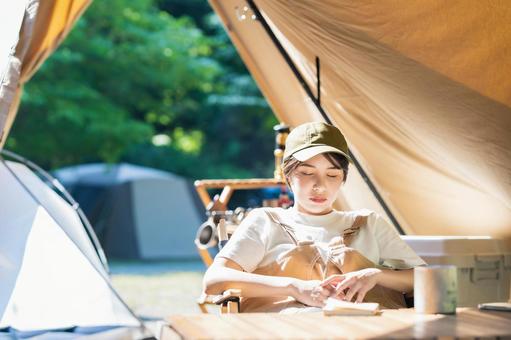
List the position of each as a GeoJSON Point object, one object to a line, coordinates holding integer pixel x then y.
{"type": "Point", "coordinates": [137, 212]}
{"type": "Point", "coordinates": [52, 276]}
{"type": "Point", "coordinates": [420, 89]}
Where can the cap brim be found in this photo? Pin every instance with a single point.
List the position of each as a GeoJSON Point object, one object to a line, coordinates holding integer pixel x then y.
{"type": "Point", "coordinates": [312, 151]}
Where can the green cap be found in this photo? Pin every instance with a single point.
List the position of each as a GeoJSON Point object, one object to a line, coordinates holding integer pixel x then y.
{"type": "Point", "coordinates": [310, 139]}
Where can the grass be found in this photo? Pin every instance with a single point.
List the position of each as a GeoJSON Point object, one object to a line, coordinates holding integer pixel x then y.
{"type": "Point", "coordinates": [159, 289]}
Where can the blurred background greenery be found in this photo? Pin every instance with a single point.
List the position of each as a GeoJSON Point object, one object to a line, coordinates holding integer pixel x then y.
{"type": "Point", "coordinates": [150, 82]}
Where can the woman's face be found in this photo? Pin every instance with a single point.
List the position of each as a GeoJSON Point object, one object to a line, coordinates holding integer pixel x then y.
{"type": "Point", "coordinates": [315, 184]}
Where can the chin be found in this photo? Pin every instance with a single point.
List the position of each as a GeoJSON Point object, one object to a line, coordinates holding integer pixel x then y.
{"type": "Point", "coordinates": [318, 210]}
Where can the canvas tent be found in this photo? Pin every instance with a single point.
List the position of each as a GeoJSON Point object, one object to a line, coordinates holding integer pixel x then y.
{"type": "Point", "coordinates": [137, 212]}
{"type": "Point", "coordinates": [420, 89]}
{"type": "Point", "coordinates": [51, 274]}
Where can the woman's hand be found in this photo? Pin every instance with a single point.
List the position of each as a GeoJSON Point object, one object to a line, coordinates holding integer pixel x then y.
{"type": "Point", "coordinates": [312, 293]}
{"type": "Point", "coordinates": [359, 282]}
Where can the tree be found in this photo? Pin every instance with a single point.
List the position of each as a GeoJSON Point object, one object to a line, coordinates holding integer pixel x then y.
{"type": "Point", "coordinates": [133, 83]}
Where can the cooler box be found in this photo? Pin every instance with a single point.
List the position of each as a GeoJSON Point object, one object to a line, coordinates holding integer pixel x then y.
{"type": "Point", "coordinates": [484, 264]}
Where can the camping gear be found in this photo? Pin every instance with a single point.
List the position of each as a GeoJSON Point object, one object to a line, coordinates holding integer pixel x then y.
{"type": "Point", "coordinates": [483, 265]}
{"type": "Point", "coordinates": [435, 289]}
{"type": "Point", "coordinates": [52, 274]}
{"type": "Point", "coordinates": [468, 323]}
{"type": "Point", "coordinates": [137, 212]}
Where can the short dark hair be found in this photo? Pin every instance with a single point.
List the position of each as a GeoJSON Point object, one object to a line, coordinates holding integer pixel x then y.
{"type": "Point", "coordinates": [337, 160]}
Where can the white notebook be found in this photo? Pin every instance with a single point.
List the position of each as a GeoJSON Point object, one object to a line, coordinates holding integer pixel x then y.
{"type": "Point", "coordinates": [339, 307]}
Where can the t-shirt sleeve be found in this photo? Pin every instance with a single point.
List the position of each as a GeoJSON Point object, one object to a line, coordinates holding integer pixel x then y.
{"type": "Point", "coordinates": [394, 252]}
{"type": "Point", "coordinates": [247, 245]}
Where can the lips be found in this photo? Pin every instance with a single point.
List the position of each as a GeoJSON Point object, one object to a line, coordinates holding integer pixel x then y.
{"type": "Point", "coordinates": [318, 199]}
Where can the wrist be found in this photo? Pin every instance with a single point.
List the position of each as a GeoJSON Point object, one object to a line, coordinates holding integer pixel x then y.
{"type": "Point", "coordinates": [291, 287]}
{"type": "Point", "coordinates": [379, 275]}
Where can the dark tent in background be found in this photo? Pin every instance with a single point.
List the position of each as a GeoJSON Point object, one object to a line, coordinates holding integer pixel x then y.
{"type": "Point", "coordinates": [137, 212]}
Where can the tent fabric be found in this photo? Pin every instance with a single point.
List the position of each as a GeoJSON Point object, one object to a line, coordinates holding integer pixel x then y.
{"type": "Point", "coordinates": [137, 212]}
{"type": "Point", "coordinates": [45, 25]}
{"type": "Point", "coordinates": [19, 32]}
{"type": "Point", "coordinates": [51, 276]}
{"type": "Point", "coordinates": [420, 89]}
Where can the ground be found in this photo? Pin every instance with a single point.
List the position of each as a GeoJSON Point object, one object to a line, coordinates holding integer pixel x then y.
{"type": "Point", "coordinates": [159, 289]}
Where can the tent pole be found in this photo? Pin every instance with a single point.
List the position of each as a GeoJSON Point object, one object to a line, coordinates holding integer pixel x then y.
{"type": "Point", "coordinates": [317, 102]}
{"type": "Point", "coordinates": [318, 81]}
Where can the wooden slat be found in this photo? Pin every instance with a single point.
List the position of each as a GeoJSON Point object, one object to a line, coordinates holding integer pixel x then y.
{"type": "Point", "coordinates": [238, 183]}
{"type": "Point", "coordinates": [204, 254]}
{"type": "Point", "coordinates": [231, 184]}
{"type": "Point", "coordinates": [404, 323]}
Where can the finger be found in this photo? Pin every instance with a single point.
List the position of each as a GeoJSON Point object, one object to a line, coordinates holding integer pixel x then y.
{"type": "Point", "coordinates": [351, 293]}
{"type": "Point", "coordinates": [330, 289]}
{"type": "Point", "coordinates": [325, 293]}
{"type": "Point", "coordinates": [339, 293]}
{"type": "Point", "coordinates": [345, 284]}
{"type": "Point", "coordinates": [332, 279]}
{"type": "Point", "coordinates": [317, 301]}
{"type": "Point", "coordinates": [360, 295]}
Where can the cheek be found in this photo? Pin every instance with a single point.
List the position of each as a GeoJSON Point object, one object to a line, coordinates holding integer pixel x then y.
{"type": "Point", "coordinates": [298, 184]}
{"type": "Point", "coordinates": [335, 186]}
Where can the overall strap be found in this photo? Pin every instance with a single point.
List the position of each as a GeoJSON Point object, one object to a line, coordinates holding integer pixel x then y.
{"type": "Point", "coordinates": [287, 229]}
{"type": "Point", "coordinates": [350, 233]}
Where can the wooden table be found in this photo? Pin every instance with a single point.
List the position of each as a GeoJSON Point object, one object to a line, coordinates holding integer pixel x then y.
{"type": "Point", "coordinates": [403, 323]}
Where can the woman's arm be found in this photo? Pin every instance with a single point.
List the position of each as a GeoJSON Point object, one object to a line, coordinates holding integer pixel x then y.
{"type": "Point", "coordinates": [359, 282]}
{"type": "Point", "coordinates": [224, 274]}
{"type": "Point", "coordinates": [400, 280]}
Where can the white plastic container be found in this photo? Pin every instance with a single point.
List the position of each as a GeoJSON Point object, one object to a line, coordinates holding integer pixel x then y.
{"type": "Point", "coordinates": [484, 264]}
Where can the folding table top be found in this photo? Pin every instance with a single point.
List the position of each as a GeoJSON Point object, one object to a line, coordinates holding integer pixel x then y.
{"type": "Point", "coordinates": [403, 323]}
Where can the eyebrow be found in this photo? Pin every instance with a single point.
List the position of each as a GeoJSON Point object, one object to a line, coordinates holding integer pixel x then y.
{"type": "Point", "coordinates": [313, 167]}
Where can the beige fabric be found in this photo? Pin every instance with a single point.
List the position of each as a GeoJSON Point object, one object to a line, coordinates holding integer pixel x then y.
{"type": "Point", "coordinates": [304, 262]}
{"type": "Point", "coordinates": [420, 89]}
{"type": "Point", "coordinates": [45, 25]}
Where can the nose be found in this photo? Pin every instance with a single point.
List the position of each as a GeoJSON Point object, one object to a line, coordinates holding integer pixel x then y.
{"type": "Point", "coordinates": [318, 185]}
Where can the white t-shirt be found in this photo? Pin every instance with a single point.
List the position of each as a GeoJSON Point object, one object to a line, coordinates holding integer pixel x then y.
{"type": "Point", "coordinates": [258, 240]}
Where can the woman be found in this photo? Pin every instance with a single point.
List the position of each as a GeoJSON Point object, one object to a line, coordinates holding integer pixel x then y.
{"type": "Point", "coordinates": [298, 257]}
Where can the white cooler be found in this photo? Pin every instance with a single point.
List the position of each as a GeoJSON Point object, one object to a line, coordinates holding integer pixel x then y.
{"type": "Point", "coordinates": [484, 264]}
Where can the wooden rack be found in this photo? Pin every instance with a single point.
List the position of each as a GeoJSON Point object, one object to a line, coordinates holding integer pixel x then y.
{"type": "Point", "coordinates": [219, 202]}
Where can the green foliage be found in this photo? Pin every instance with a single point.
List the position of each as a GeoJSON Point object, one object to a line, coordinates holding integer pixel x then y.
{"type": "Point", "coordinates": [133, 83]}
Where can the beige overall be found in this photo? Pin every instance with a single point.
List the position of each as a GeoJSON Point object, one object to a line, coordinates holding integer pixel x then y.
{"type": "Point", "coordinates": [304, 262]}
